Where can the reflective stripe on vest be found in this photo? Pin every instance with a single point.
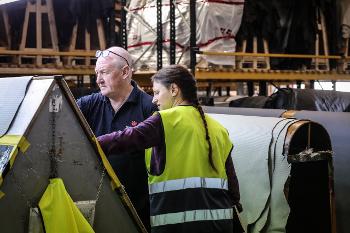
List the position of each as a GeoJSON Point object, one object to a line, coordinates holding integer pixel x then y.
{"type": "Point", "coordinates": [190, 216]}
{"type": "Point", "coordinates": [186, 183]}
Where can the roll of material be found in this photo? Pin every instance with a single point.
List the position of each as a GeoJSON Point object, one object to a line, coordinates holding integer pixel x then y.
{"type": "Point", "coordinates": [337, 125]}
{"type": "Point", "coordinates": [261, 168]}
{"type": "Point", "coordinates": [245, 111]}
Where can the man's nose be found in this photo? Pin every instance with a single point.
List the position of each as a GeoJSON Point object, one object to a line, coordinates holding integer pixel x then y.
{"type": "Point", "coordinates": [154, 100]}
{"type": "Point", "coordinates": [98, 78]}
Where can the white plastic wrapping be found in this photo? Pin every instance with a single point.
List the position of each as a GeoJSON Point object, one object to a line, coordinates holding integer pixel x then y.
{"type": "Point", "coordinates": [217, 24]}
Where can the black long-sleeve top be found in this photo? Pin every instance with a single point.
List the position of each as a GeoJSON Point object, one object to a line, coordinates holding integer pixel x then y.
{"type": "Point", "coordinates": [150, 133]}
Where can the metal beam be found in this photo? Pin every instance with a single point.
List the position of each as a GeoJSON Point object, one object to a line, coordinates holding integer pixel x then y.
{"type": "Point", "coordinates": [200, 75]}
{"type": "Point", "coordinates": [276, 55]}
{"type": "Point", "coordinates": [111, 34]}
{"type": "Point", "coordinates": [159, 35]}
{"type": "Point", "coordinates": [250, 87]}
{"type": "Point", "coordinates": [172, 33]}
{"type": "Point", "coordinates": [262, 88]}
{"type": "Point", "coordinates": [271, 75]}
{"type": "Point", "coordinates": [124, 34]}
{"type": "Point", "coordinates": [193, 36]}
{"type": "Point", "coordinates": [45, 71]}
{"type": "Point", "coordinates": [46, 52]}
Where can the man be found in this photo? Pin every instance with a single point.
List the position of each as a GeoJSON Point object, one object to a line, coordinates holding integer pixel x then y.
{"type": "Point", "coordinates": [120, 104]}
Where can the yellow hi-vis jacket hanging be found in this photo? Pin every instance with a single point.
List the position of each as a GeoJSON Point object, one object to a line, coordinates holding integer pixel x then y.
{"type": "Point", "coordinates": [59, 212]}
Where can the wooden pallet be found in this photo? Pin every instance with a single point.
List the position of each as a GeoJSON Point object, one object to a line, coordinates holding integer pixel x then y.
{"type": "Point", "coordinates": [255, 63]}
{"type": "Point", "coordinates": [345, 65]}
{"type": "Point", "coordinates": [321, 43]}
{"type": "Point", "coordinates": [5, 28]}
{"type": "Point", "coordinates": [86, 45]}
{"type": "Point", "coordinates": [40, 9]}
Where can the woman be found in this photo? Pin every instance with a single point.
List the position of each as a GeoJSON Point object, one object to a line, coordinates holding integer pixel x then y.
{"type": "Point", "coordinates": [192, 183]}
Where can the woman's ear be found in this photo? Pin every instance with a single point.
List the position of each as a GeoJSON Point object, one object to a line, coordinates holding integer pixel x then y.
{"type": "Point", "coordinates": [174, 89]}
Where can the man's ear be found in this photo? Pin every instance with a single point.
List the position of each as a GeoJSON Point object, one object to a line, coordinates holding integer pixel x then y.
{"type": "Point", "coordinates": [125, 71]}
{"type": "Point", "coordinates": [174, 89]}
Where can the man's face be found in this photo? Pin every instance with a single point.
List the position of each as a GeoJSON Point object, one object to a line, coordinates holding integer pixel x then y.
{"type": "Point", "coordinates": [109, 78]}
{"type": "Point", "coordinates": [162, 96]}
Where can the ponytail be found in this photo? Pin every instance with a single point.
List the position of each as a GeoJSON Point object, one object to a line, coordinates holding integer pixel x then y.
{"type": "Point", "coordinates": [207, 137]}
{"type": "Point", "coordinates": [186, 82]}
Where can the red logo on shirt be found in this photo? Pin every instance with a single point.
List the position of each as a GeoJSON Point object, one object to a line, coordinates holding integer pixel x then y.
{"type": "Point", "coordinates": [133, 123]}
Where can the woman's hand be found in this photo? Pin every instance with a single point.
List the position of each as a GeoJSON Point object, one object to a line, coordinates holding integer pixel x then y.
{"type": "Point", "coordinates": [105, 141]}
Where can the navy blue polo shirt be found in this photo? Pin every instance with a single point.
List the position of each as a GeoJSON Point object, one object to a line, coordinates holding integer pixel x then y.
{"type": "Point", "coordinates": [130, 167]}
{"type": "Point", "coordinates": [102, 119]}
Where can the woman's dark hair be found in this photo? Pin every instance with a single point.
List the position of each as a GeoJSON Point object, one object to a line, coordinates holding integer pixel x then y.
{"type": "Point", "coordinates": [185, 81]}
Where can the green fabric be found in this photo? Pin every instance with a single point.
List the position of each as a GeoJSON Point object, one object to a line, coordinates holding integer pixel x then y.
{"type": "Point", "coordinates": [59, 212]}
{"type": "Point", "coordinates": [148, 155]}
{"type": "Point", "coordinates": [187, 148]}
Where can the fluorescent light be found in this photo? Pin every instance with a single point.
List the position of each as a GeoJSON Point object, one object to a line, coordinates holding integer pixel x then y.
{"type": "Point", "coordinates": [324, 86]}
{"type": "Point", "coordinates": [343, 86]}
{"type": "Point", "coordinates": [7, 1]}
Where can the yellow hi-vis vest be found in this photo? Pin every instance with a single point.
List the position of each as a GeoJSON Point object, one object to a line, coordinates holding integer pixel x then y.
{"type": "Point", "coordinates": [59, 212]}
{"type": "Point", "coordinates": [188, 174]}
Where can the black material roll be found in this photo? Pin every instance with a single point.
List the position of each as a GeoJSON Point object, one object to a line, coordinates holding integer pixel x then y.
{"type": "Point", "coordinates": [338, 126]}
